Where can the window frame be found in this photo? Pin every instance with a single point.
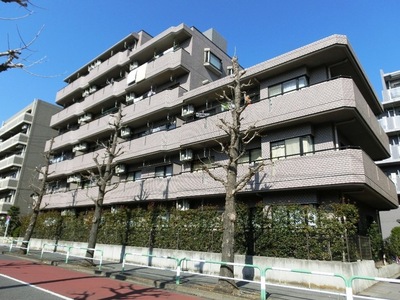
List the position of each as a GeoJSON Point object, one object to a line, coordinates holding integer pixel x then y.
{"type": "Point", "coordinates": [212, 60]}
{"type": "Point", "coordinates": [166, 170]}
{"type": "Point", "coordinates": [283, 145]}
{"type": "Point", "coordinates": [279, 89]}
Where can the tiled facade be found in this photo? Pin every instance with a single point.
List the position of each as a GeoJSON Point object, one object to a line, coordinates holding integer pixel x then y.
{"type": "Point", "coordinates": [314, 108]}
{"type": "Point", "coordinates": [390, 122]}
{"type": "Point", "coordinates": [22, 140]}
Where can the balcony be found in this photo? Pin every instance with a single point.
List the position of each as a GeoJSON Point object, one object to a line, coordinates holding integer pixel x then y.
{"type": "Point", "coordinates": [74, 87]}
{"type": "Point", "coordinates": [148, 105]}
{"type": "Point", "coordinates": [391, 95]}
{"type": "Point", "coordinates": [348, 171]}
{"type": "Point", "coordinates": [114, 61]}
{"type": "Point", "coordinates": [72, 137]}
{"type": "Point", "coordinates": [14, 160]}
{"type": "Point", "coordinates": [8, 183]}
{"type": "Point", "coordinates": [168, 62]}
{"type": "Point", "coordinates": [338, 101]}
{"type": "Point", "coordinates": [23, 118]}
{"type": "Point", "coordinates": [20, 138]}
{"type": "Point", "coordinates": [158, 142]}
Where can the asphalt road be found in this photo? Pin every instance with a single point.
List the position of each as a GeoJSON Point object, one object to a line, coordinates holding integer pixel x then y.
{"type": "Point", "coordinates": [24, 279]}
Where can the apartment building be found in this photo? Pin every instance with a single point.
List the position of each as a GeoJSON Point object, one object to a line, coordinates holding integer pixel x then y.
{"type": "Point", "coordinates": [314, 108]}
{"type": "Point", "coordinates": [22, 141]}
{"type": "Point", "coordinates": [390, 121]}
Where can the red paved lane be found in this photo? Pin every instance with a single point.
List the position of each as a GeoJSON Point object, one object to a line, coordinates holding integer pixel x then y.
{"type": "Point", "coordinates": [78, 285]}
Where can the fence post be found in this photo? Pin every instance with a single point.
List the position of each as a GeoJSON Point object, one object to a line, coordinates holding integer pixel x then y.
{"type": "Point", "coordinates": [349, 289]}
{"type": "Point", "coordinates": [67, 256]}
{"type": "Point", "coordinates": [263, 282]}
{"type": "Point", "coordinates": [178, 270]}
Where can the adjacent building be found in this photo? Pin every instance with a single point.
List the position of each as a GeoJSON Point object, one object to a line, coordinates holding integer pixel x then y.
{"type": "Point", "coordinates": [390, 121]}
{"type": "Point", "coordinates": [22, 140]}
{"type": "Point", "coordinates": [314, 108]}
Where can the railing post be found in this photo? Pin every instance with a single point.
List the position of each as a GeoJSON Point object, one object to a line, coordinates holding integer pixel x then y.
{"type": "Point", "coordinates": [178, 270]}
{"type": "Point", "coordinates": [123, 262]}
{"type": "Point", "coordinates": [263, 283]}
{"type": "Point", "coordinates": [101, 258]}
{"type": "Point", "coordinates": [67, 256]}
{"type": "Point", "coordinates": [41, 252]}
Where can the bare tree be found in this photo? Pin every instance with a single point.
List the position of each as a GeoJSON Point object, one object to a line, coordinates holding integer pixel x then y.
{"type": "Point", "coordinates": [234, 149]}
{"type": "Point", "coordinates": [105, 170]}
{"type": "Point", "coordinates": [23, 3]}
{"type": "Point", "coordinates": [11, 58]}
{"type": "Point", "coordinates": [37, 196]}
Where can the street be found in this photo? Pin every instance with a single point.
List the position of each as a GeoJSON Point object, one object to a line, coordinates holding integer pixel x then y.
{"type": "Point", "coordinates": [24, 279]}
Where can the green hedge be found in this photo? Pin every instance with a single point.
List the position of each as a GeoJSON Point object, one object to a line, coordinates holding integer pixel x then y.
{"type": "Point", "coordinates": [298, 231]}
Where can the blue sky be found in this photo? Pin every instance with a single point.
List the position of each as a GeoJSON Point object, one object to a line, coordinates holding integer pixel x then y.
{"type": "Point", "coordinates": [75, 31]}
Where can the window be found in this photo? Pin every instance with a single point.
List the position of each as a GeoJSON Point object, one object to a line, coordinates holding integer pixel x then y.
{"type": "Point", "coordinates": [287, 86]}
{"type": "Point", "coordinates": [292, 147]}
{"type": "Point", "coordinates": [197, 164]}
{"type": "Point", "coordinates": [251, 155]}
{"type": "Point", "coordinates": [163, 171]}
{"type": "Point", "coordinates": [229, 70]}
{"type": "Point", "coordinates": [134, 176]}
{"type": "Point", "coordinates": [211, 59]}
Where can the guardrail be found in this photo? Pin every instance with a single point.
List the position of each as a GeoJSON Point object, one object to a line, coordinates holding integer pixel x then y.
{"type": "Point", "coordinates": [349, 284]}
{"type": "Point", "coordinates": [176, 269]}
{"type": "Point", "coordinates": [15, 244]}
{"type": "Point", "coordinates": [55, 247]}
{"type": "Point", "coordinates": [86, 249]}
{"type": "Point", "coordinates": [262, 273]}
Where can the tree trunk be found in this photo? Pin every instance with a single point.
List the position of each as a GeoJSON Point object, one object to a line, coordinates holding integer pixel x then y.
{"type": "Point", "coordinates": [39, 192]}
{"type": "Point", "coordinates": [29, 232]}
{"type": "Point", "coordinates": [229, 216]}
{"type": "Point", "coordinates": [228, 242]}
{"type": "Point", "coordinates": [95, 225]}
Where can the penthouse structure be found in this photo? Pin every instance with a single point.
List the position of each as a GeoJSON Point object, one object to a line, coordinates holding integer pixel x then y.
{"type": "Point", "coordinates": [22, 140]}
{"type": "Point", "coordinates": [390, 121]}
{"type": "Point", "coordinates": [314, 107]}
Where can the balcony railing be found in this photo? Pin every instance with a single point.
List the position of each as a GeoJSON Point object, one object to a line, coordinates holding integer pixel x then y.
{"type": "Point", "coordinates": [20, 138]}
{"type": "Point", "coordinates": [14, 160]}
{"type": "Point", "coordinates": [350, 167]}
{"type": "Point", "coordinates": [23, 118]}
{"type": "Point", "coordinates": [8, 183]}
{"type": "Point", "coordinates": [392, 94]}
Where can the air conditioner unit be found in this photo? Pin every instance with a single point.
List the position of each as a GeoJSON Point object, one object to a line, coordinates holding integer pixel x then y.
{"type": "Point", "coordinates": [92, 89]}
{"type": "Point", "coordinates": [125, 132]}
{"type": "Point", "coordinates": [85, 93]}
{"type": "Point", "coordinates": [85, 118]}
{"type": "Point", "coordinates": [187, 110]}
{"type": "Point", "coordinates": [94, 65]}
{"type": "Point", "coordinates": [80, 147]}
{"type": "Point", "coordinates": [186, 155]}
{"type": "Point", "coordinates": [182, 205]}
{"type": "Point", "coordinates": [133, 65]}
{"type": "Point", "coordinates": [129, 98]}
{"type": "Point", "coordinates": [120, 168]}
{"type": "Point", "coordinates": [74, 178]}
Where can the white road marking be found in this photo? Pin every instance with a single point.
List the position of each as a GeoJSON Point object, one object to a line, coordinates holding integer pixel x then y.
{"type": "Point", "coordinates": [36, 287]}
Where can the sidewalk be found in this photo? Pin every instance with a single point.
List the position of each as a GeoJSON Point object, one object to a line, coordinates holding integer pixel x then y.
{"type": "Point", "coordinates": [199, 285]}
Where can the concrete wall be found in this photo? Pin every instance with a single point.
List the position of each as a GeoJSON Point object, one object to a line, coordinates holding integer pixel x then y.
{"type": "Point", "coordinates": [360, 268]}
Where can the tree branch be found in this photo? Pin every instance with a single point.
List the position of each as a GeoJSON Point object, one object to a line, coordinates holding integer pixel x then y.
{"type": "Point", "coordinates": [23, 3]}
{"type": "Point", "coordinates": [241, 183]}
